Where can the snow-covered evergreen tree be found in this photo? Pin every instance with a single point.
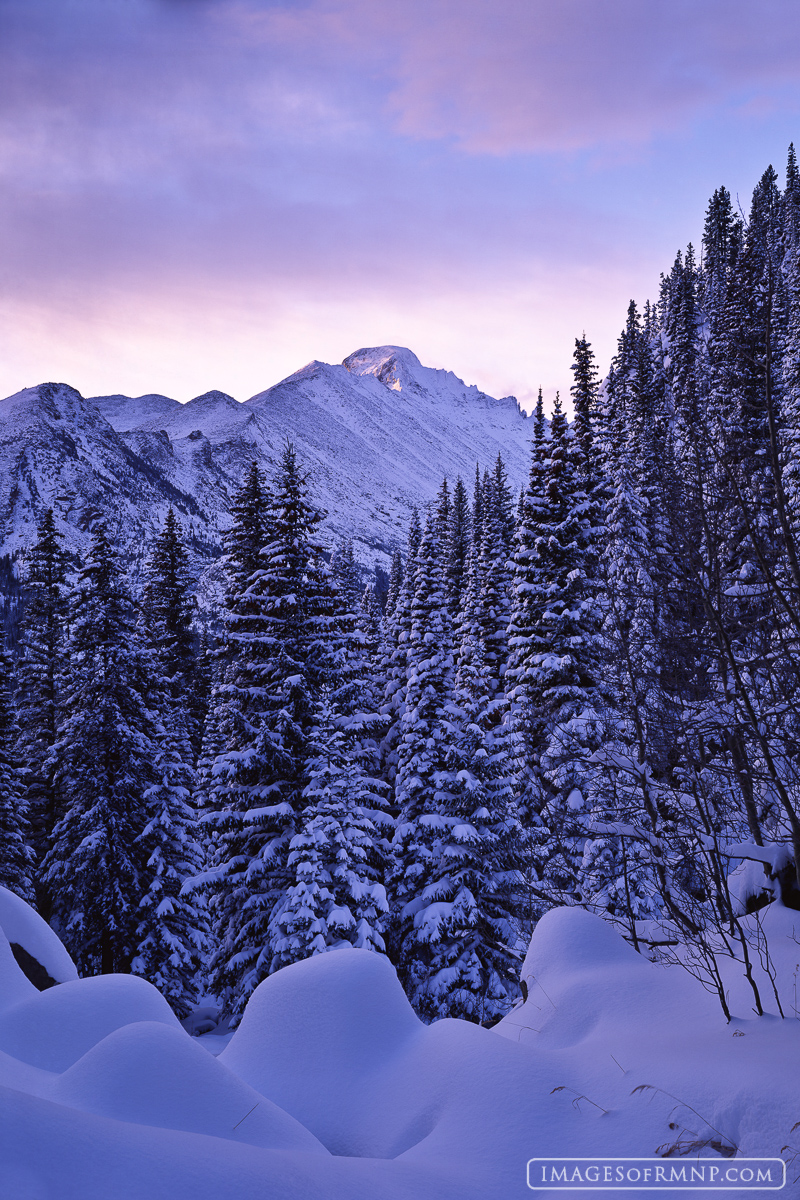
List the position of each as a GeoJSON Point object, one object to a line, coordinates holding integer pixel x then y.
{"type": "Point", "coordinates": [395, 664]}
{"type": "Point", "coordinates": [554, 668]}
{"type": "Point", "coordinates": [16, 855]}
{"type": "Point", "coordinates": [39, 671]}
{"type": "Point", "coordinates": [172, 933]}
{"type": "Point", "coordinates": [347, 575]}
{"type": "Point", "coordinates": [528, 599]}
{"type": "Point", "coordinates": [466, 923]}
{"type": "Point", "coordinates": [457, 545]}
{"type": "Point", "coordinates": [335, 863]}
{"type": "Point", "coordinates": [423, 779]}
{"type": "Point", "coordinates": [282, 645]}
{"type": "Point", "coordinates": [167, 623]}
{"type": "Point", "coordinates": [105, 753]}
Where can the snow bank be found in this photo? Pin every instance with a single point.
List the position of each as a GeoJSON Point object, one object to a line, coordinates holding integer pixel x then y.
{"type": "Point", "coordinates": [26, 928]}
{"type": "Point", "coordinates": [582, 975]}
{"type": "Point", "coordinates": [337, 1019]}
{"type": "Point", "coordinates": [153, 1074]}
{"type": "Point", "coordinates": [53, 1029]}
{"type": "Point", "coordinates": [332, 1087]}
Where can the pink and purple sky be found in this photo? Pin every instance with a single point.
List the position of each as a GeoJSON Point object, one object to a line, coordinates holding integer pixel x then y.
{"type": "Point", "coordinates": [208, 193]}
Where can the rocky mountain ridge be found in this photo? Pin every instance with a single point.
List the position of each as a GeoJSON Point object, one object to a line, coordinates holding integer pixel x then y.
{"type": "Point", "coordinates": [376, 434]}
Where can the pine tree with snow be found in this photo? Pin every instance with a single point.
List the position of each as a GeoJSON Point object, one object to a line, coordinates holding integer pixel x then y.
{"type": "Point", "coordinates": [423, 778]}
{"type": "Point", "coordinates": [395, 666]}
{"type": "Point", "coordinates": [492, 567]}
{"type": "Point", "coordinates": [335, 863]}
{"type": "Point", "coordinates": [554, 670]}
{"type": "Point", "coordinates": [528, 600]}
{"type": "Point", "coordinates": [396, 574]}
{"type": "Point", "coordinates": [167, 623]}
{"type": "Point", "coordinates": [40, 669]}
{"type": "Point", "coordinates": [105, 753]}
{"type": "Point", "coordinates": [622, 807]}
{"type": "Point", "coordinates": [457, 545]}
{"type": "Point", "coordinates": [443, 509]}
{"type": "Point", "coordinates": [466, 926]}
{"type": "Point", "coordinates": [568, 677]}
{"type": "Point", "coordinates": [372, 645]}
{"type": "Point", "coordinates": [172, 934]}
{"type": "Point", "coordinates": [584, 392]}
{"type": "Point", "coordinates": [16, 855]}
{"type": "Point", "coordinates": [477, 507]}
{"type": "Point", "coordinates": [503, 507]}
{"type": "Point", "coordinates": [347, 575]}
{"type": "Point", "coordinates": [282, 645]}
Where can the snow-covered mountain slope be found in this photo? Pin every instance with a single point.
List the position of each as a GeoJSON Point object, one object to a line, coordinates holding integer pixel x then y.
{"type": "Point", "coordinates": [57, 450]}
{"type": "Point", "coordinates": [376, 434]}
{"type": "Point", "coordinates": [380, 431]}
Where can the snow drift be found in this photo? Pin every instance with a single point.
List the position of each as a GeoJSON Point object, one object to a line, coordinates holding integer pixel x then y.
{"type": "Point", "coordinates": [331, 1086]}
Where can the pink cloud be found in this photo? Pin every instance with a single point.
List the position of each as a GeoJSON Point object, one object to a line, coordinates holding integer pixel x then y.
{"type": "Point", "coordinates": [222, 158]}
{"type": "Point", "coordinates": [521, 76]}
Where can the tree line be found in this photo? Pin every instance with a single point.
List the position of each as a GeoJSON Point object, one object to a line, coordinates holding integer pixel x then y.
{"type": "Point", "coordinates": [585, 694]}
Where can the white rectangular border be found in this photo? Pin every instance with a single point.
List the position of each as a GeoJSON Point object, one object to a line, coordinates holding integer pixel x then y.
{"type": "Point", "coordinates": [638, 1187]}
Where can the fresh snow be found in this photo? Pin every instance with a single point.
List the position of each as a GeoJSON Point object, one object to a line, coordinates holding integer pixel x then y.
{"type": "Point", "coordinates": [332, 1087]}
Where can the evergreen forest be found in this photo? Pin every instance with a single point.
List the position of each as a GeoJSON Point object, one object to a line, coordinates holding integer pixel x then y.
{"type": "Point", "coordinates": [585, 694]}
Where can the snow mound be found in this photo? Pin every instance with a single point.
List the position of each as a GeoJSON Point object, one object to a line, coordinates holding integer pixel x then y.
{"type": "Point", "coordinates": [25, 928]}
{"type": "Point", "coordinates": [571, 941]}
{"type": "Point", "coordinates": [576, 969]}
{"type": "Point", "coordinates": [332, 1087]}
{"type": "Point", "coordinates": [334, 1042]}
{"type": "Point", "coordinates": [582, 977]}
{"type": "Point", "coordinates": [314, 1034]}
{"type": "Point", "coordinates": [149, 1073]}
{"type": "Point", "coordinates": [53, 1029]}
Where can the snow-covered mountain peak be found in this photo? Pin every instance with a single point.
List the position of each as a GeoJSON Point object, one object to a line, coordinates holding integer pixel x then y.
{"type": "Point", "coordinates": [396, 366]}
{"type": "Point", "coordinates": [53, 401]}
{"type": "Point", "coordinates": [212, 398]}
{"type": "Point", "coordinates": [152, 411]}
{"type": "Point", "coordinates": [376, 435]}
{"type": "Point", "coordinates": [311, 370]}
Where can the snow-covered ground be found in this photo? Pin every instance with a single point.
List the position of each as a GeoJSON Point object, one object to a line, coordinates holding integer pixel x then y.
{"type": "Point", "coordinates": [331, 1088]}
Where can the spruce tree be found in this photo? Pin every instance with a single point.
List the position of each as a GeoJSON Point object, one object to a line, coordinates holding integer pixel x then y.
{"type": "Point", "coordinates": [282, 645]}
{"type": "Point", "coordinates": [528, 597]}
{"type": "Point", "coordinates": [107, 745]}
{"type": "Point", "coordinates": [167, 623]}
{"type": "Point", "coordinates": [395, 584]}
{"type": "Point", "coordinates": [16, 855]}
{"type": "Point", "coordinates": [467, 927]}
{"type": "Point", "coordinates": [443, 508]}
{"type": "Point", "coordinates": [395, 668]}
{"type": "Point", "coordinates": [347, 575]}
{"type": "Point", "coordinates": [423, 780]}
{"type": "Point", "coordinates": [457, 545]}
{"type": "Point", "coordinates": [554, 671]}
{"type": "Point", "coordinates": [335, 863]}
{"type": "Point", "coordinates": [172, 933]}
{"type": "Point", "coordinates": [40, 671]}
